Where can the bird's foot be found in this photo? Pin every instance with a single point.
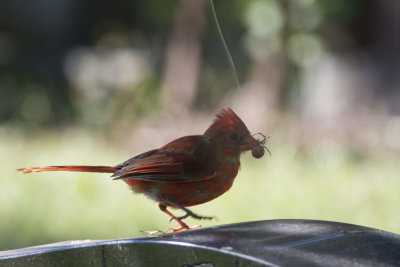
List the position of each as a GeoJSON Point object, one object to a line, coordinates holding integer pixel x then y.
{"type": "Point", "coordinates": [184, 228]}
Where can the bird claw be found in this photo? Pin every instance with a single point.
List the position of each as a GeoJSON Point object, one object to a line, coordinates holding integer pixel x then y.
{"type": "Point", "coordinates": [183, 228]}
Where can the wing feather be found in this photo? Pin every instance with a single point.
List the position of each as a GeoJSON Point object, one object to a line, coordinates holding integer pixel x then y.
{"type": "Point", "coordinates": [183, 160]}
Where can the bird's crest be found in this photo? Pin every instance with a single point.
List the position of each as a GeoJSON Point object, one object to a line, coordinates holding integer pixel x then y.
{"type": "Point", "coordinates": [226, 119]}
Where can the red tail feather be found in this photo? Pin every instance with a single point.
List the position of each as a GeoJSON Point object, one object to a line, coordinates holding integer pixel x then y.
{"type": "Point", "coordinates": [70, 169]}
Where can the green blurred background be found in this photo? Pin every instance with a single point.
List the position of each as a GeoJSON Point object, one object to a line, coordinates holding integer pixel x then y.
{"type": "Point", "coordinates": [97, 82]}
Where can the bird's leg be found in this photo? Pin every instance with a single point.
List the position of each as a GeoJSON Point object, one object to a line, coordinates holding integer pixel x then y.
{"type": "Point", "coordinates": [183, 225]}
{"type": "Point", "coordinates": [193, 215]}
{"type": "Point", "coordinates": [189, 213]}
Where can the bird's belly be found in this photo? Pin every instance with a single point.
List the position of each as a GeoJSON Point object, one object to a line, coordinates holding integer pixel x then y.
{"type": "Point", "coordinates": [183, 193]}
{"type": "Point", "coordinates": [199, 192]}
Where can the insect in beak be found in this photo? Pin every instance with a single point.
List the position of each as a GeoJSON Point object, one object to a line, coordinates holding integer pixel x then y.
{"type": "Point", "coordinates": [258, 149]}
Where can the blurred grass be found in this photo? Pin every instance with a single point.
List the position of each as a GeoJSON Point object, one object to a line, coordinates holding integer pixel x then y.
{"type": "Point", "coordinates": [325, 182]}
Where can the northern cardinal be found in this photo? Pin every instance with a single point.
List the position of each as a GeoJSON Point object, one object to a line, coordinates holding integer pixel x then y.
{"type": "Point", "coordinates": [188, 171]}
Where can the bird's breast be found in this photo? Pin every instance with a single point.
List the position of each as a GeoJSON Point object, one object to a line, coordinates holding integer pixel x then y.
{"type": "Point", "coordinates": [188, 193]}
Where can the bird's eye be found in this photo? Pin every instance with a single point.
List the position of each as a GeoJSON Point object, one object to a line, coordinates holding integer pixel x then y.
{"type": "Point", "coordinates": [233, 136]}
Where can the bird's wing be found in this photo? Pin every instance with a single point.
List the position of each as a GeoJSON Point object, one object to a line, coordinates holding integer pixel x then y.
{"type": "Point", "coordinates": [171, 163]}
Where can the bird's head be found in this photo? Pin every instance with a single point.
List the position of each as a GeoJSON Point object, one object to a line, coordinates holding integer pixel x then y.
{"type": "Point", "coordinates": [229, 135]}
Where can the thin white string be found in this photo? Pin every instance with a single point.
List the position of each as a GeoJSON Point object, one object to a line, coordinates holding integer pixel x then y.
{"type": "Point", "coordinates": [228, 54]}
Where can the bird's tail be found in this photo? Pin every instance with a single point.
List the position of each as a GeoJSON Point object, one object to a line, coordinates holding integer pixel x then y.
{"type": "Point", "coordinates": [104, 169]}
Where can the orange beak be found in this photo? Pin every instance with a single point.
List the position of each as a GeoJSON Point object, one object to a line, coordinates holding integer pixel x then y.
{"type": "Point", "coordinates": [248, 143]}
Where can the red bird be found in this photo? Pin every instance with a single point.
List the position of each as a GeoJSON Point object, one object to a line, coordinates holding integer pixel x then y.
{"type": "Point", "coordinates": [188, 171]}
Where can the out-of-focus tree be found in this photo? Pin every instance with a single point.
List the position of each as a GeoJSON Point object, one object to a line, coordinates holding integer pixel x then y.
{"type": "Point", "coordinates": [183, 56]}
{"type": "Point", "coordinates": [103, 62]}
